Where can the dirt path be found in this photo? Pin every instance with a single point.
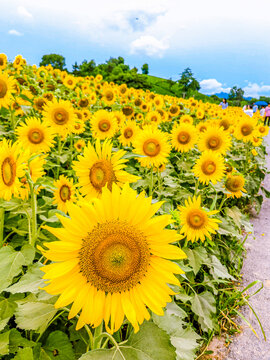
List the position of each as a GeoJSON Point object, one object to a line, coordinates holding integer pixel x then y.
{"type": "Point", "coordinates": [256, 267]}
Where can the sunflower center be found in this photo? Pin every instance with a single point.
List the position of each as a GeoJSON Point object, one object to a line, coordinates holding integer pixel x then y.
{"type": "Point", "coordinates": [261, 129]}
{"type": "Point", "coordinates": [151, 147]}
{"type": "Point", "coordinates": [104, 125]}
{"type": "Point", "coordinates": [77, 126]}
{"type": "Point", "coordinates": [128, 111]}
{"type": "Point", "coordinates": [128, 133]}
{"type": "Point", "coordinates": [183, 137]}
{"type": "Point", "coordinates": [225, 124]}
{"type": "Point", "coordinates": [234, 183]}
{"type": "Point", "coordinates": [60, 116]}
{"type": "Point", "coordinates": [203, 128]}
{"type": "Point", "coordinates": [214, 143]}
{"type": "Point", "coordinates": [8, 171]}
{"type": "Point", "coordinates": [246, 130]}
{"type": "Point", "coordinates": [101, 173]}
{"type": "Point", "coordinates": [173, 109]}
{"type": "Point", "coordinates": [3, 88]}
{"type": "Point", "coordinates": [196, 219]}
{"type": "Point", "coordinates": [1, 62]}
{"type": "Point", "coordinates": [109, 95]}
{"type": "Point", "coordinates": [65, 193]}
{"type": "Point", "coordinates": [208, 167]}
{"type": "Point", "coordinates": [114, 256]}
{"type": "Point", "coordinates": [35, 136]}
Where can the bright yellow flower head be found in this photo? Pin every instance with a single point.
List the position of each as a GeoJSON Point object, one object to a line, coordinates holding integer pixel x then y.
{"type": "Point", "coordinates": [103, 124]}
{"type": "Point", "coordinates": [209, 167]}
{"type": "Point", "coordinates": [64, 193]}
{"type": "Point", "coordinates": [112, 260]}
{"type": "Point", "coordinates": [184, 137]}
{"type": "Point", "coordinates": [234, 184]}
{"type": "Point", "coordinates": [215, 139]}
{"type": "Point", "coordinates": [196, 222]}
{"type": "Point", "coordinates": [99, 167]}
{"type": "Point", "coordinates": [7, 88]}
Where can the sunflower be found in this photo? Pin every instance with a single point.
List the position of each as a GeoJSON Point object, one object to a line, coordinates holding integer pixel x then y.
{"type": "Point", "coordinates": [209, 167]}
{"type": "Point", "coordinates": [225, 123]}
{"type": "Point", "coordinates": [7, 88]}
{"type": "Point", "coordinates": [120, 117]}
{"type": "Point", "coordinates": [12, 166]}
{"type": "Point", "coordinates": [39, 103]}
{"type": "Point", "coordinates": [3, 61]}
{"type": "Point", "coordinates": [19, 61]}
{"type": "Point", "coordinates": [215, 139]}
{"type": "Point", "coordinates": [79, 145]}
{"type": "Point", "coordinates": [174, 110]}
{"type": "Point", "coordinates": [103, 124]}
{"type": "Point", "coordinates": [84, 102]}
{"type": "Point", "coordinates": [202, 127]}
{"type": "Point", "coordinates": [70, 82]}
{"type": "Point", "coordinates": [184, 137]}
{"type": "Point", "coordinates": [187, 119]}
{"type": "Point", "coordinates": [78, 127]}
{"type": "Point", "coordinates": [235, 185]}
{"type": "Point", "coordinates": [128, 111]}
{"type": "Point", "coordinates": [263, 130]}
{"type": "Point", "coordinates": [153, 144]}
{"type": "Point", "coordinates": [153, 117]}
{"type": "Point", "coordinates": [35, 135]}
{"type": "Point", "coordinates": [113, 260]}
{"type": "Point", "coordinates": [64, 193]}
{"type": "Point", "coordinates": [245, 129]}
{"type": "Point", "coordinates": [200, 114]}
{"type": "Point", "coordinates": [60, 116]}
{"type": "Point", "coordinates": [128, 133]}
{"type": "Point", "coordinates": [195, 221]}
{"type": "Point", "coordinates": [108, 96]}
{"type": "Point", "coordinates": [99, 167]}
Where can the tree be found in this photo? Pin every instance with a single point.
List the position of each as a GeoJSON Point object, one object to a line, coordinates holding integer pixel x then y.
{"type": "Point", "coordinates": [145, 69]}
{"type": "Point", "coordinates": [187, 83]}
{"type": "Point", "coordinates": [236, 93]}
{"type": "Point", "coordinates": [87, 68]}
{"type": "Point", "coordinates": [57, 61]}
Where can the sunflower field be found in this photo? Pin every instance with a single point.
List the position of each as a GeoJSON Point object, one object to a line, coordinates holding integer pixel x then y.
{"type": "Point", "coordinates": [123, 217]}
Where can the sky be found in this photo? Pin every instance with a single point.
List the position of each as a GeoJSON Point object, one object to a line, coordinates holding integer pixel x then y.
{"type": "Point", "coordinates": [225, 43]}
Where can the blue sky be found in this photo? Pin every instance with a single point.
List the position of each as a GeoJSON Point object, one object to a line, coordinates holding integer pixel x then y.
{"type": "Point", "coordinates": [224, 43]}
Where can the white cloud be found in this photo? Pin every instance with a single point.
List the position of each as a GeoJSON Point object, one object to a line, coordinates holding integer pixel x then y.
{"type": "Point", "coordinates": [212, 86]}
{"type": "Point", "coordinates": [148, 45]}
{"type": "Point", "coordinates": [15, 32]}
{"type": "Point", "coordinates": [256, 90]}
{"type": "Point", "coordinates": [24, 13]}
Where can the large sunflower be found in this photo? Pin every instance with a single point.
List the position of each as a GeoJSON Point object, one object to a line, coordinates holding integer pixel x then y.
{"type": "Point", "coordinates": [64, 193]}
{"type": "Point", "coordinates": [99, 167]}
{"type": "Point", "coordinates": [215, 139]}
{"type": "Point", "coordinates": [35, 135]}
{"type": "Point", "coordinates": [184, 137]}
{"type": "Point", "coordinates": [234, 184]}
{"type": "Point", "coordinates": [111, 260]}
{"type": "Point", "coordinates": [209, 167]}
{"type": "Point", "coordinates": [103, 124]}
{"type": "Point", "coordinates": [245, 129]}
{"type": "Point", "coordinates": [153, 144]}
{"type": "Point", "coordinates": [12, 166]}
{"type": "Point", "coordinates": [195, 221]}
{"type": "Point", "coordinates": [7, 88]}
{"type": "Point", "coordinates": [60, 116]}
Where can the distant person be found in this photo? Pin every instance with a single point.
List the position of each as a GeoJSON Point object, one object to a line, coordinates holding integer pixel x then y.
{"type": "Point", "coordinates": [249, 111]}
{"type": "Point", "coordinates": [224, 104]}
{"type": "Point", "coordinates": [244, 107]}
{"type": "Point", "coordinates": [267, 115]}
{"type": "Point", "coordinates": [255, 107]}
{"type": "Point", "coordinates": [262, 111]}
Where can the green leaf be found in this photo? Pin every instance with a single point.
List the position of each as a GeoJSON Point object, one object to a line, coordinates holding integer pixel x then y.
{"type": "Point", "coordinates": [182, 336]}
{"type": "Point", "coordinates": [150, 343]}
{"type": "Point", "coordinates": [204, 305]}
{"type": "Point", "coordinates": [28, 252]}
{"type": "Point", "coordinates": [59, 347]}
{"type": "Point", "coordinates": [7, 309]}
{"type": "Point", "coordinates": [23, 354]}
{"type": "Point", "coordinates": [4, 341]}
{"type": "Point", "coordinates": [34, 315]}
{"type": "Point", "coordinates": [235, 214]}
{"type": "Point", "coordinates": [11, 263]}
{"type": "Point", "coordinates": [218, 270]}
{"type": "Point", "coordinates": [196, 257]}
{"type": "Point", "coordinates": [31, 281]}
{"type": "Point", "coordinates": [16, 341]}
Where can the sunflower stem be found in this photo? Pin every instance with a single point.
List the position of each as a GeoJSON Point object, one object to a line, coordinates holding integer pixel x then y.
{"type": "Point", "coordinates": [222, 202]}
{"type": "Point", "coordinates": [98, 337]}
{"type": "Point", "coordinates": [33, 237]}
{"type": "Point", "coordinates": [151, 182]}
{"type": "Point", "coordinates": [2, 221]}
{"type": "Point", "coordinates": [58, 157]}
{"type": "Point", "coordinates": [196, 187]}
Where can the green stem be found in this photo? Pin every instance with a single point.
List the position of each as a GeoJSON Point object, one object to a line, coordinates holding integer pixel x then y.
{"type": "Point", "coordinates": [196, 187]}
{"type": "Point", "coordinates": [97, 337]}
{"type": "Point", "coordinates": [151, 183]}
{"type": "Point", "coordinates": [222, 202]}
{"type": "Point", "coordinates": [2, 222]}
{"type": "Point", "coordinates": [33, 237]}
{"type": "Point", "coordinates": [58, 157]}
